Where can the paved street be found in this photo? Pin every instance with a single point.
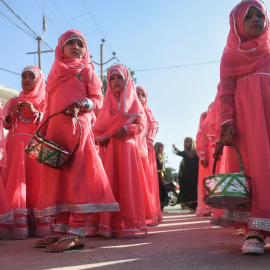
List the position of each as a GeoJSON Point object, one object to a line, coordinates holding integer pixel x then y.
{"type": "Point", "coordinates": [181, 241]}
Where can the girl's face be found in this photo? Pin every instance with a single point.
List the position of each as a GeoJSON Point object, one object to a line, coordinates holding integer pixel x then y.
{"type": "Point", "coordinates": [254, 22]}
{"type": "Point", "coordinates": [117, 83]}
{"type": "Point", "coordinates": [28, 81]}
{"type": "Point", "coordinates": [141, 95]}
{"type": "Point", "coordinates": [187, 144]}
{"type": "Point", "coordinates": [160, 149]}
{"type": "Point", "coordinates": [74, 49]}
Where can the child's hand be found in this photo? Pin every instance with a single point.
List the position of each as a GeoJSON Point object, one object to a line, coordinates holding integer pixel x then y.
{"type": "Point", "coordinates": [29, 106]}
{"type": "Point", "coordinates": [120, 133]}
{"type": "Point", "coordinates": [104, 143]}
{"type": "Point", "coordinates": [71, 110]}
{"type": "Point", "coordinates": [204, 163]}
{"type": "Point", "coordinates": [174, 146]}
{"type": "Point", "coordinates": [227, 133]}
{"type": "Point", "coordinates": [16, 107]}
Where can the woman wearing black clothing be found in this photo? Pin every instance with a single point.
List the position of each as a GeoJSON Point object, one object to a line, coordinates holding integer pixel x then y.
{"type": "Point", "coordinates": [188, 174]}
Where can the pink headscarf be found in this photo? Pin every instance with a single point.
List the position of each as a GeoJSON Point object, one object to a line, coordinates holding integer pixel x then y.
{"type": "Point", "coordinates": [36, 97]}
{"type": "Point", "coordinates": [243, 54]}
{"type": "Point", "coordinates": [116, 114]}
{"type": "Point", "coordinates": [152, 123]}
{"type": "Point", "coordinates": [64, 68]}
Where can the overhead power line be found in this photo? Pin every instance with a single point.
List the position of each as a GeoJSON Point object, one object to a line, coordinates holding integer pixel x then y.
{"type": "Point", "coordinates": [178, 66]}
{"type": "Point", "coordinates": [28, 33]}
{"type": "Point", "coordinates": [10, 71]}
{"type": "Point", "coordinates": [36, 35]}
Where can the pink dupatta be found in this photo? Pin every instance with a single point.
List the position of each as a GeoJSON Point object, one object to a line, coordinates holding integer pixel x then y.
{"type": "Point", "coordinates": [243, 54]}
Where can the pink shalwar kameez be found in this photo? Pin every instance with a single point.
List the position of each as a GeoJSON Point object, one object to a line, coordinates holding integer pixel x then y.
{"type": "Point", "coordinates": [150, 168]}
{"type": "Point", "coordinates": [246, 61]}
{"type": "Point", "coordinates": [122, 159]}
{"type": "Point", "coordinates": [81, 186]}
{"type": "Point", "coordinates": [6, 214]}
{"type": "Point", "coordinates": [22, 176]}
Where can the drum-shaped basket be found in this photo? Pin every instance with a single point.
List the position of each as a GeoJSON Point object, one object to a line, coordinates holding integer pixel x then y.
{"type": "Point", "coordinates": [48, 152]}
{"type": "Point", "coordinates": [227, 190]}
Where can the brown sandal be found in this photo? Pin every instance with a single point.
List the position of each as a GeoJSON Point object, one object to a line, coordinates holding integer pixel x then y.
{"type": "Point", "coordinates": [50, 239]}
{"type": "Point", "coordinates": [75, 239]}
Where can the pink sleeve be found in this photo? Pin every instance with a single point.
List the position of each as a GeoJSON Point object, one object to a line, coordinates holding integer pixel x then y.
{"type": "Point", "coordinates": [94, 90]}
{"type": "Point", "coordinates": [135, 128]}
{"type": "Point", "coordinates": [227, 86]}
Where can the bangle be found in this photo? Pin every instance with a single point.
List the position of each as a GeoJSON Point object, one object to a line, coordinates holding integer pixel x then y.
{"type": "Point", "coordinates": [78, 103]}
{"type": "Point", "coordinates": [12, 116]}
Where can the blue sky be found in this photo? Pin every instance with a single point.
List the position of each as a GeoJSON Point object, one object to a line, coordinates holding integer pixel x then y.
{"type": "Point", "coordinates": [149, 36]}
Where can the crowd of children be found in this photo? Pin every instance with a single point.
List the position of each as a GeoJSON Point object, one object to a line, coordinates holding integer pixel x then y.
{"type": "Point", "coordinates": [111, 185]}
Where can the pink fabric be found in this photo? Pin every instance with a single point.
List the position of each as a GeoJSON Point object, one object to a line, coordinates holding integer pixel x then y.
{"type": "Point", "coordinates": [63, 69]}
{"type": "Point", "coordinates": [82, 185]}
{"type": "Point", "coordinates": [150, 168]}
{"type": "Point", "coordinates": [36, 97]}
{"type": "Point", "coordinates": [242, 54]}
{"type": "Point", "coordinates": [22, 176]}
{"type": "Point", "coordinates": [122, 160]}
{"type": "Point", "coordinates": [5, 212]}
{"type": "Point", "coordinates": [251, 112]}
{"type": "Point", "coordinates": [202, 149]}
{"type": "Point", "coordinates": [122, 112]}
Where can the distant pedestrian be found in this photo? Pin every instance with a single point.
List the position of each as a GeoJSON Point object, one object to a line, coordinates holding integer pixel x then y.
{"type": "Point", "coordinates": [188, 174]}
{"type": "Point", "coordinates": [160, 159]}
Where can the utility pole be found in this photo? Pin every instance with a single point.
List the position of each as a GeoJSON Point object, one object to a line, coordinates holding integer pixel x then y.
{"type": "Point", "coordinates": [39, 52]}
{"type": "Point", "coordinates": [101, 64]}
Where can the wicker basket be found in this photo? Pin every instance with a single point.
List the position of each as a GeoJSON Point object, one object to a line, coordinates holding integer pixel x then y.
{"type": "Point", "coordinates": [227, 190]}
{"type": "Point", "coordinates": [48, 152]}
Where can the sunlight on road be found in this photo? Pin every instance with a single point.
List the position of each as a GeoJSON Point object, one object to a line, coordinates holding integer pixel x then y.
{"type": "Point", "coordinates": [91, 265]}
{"type": "Point", "coordinates": [124, 246]}
{"type": "Point", "coordinates": [188, 229]}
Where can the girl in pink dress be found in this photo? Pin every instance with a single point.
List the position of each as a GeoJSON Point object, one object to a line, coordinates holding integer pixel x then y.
{"type": "Point", "coordinates": [150, 164]}
{"type": "Point", "coordinates": [202, 147]}
{"type": "Point", "coordinates": [245, 112]}
{"type": "Point", "coordinates": [6, 214]}
{"type": "Point", "coordinates": [22, 176]}
{"type": "Point", "coordinates": [118, 125]}
{"type": "Point", "coordinates": [81, 186]}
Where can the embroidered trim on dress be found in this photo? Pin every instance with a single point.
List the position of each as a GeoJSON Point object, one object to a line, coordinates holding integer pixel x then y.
{"type": "Point", "coordinates": [259, 224]}
{"type": "Point", "coordinates": [236, 216]}
{"type": "Point", "coordinates": [258, 73]}
{"type": "Point", "coordinates": [80, 231]}
{"type": "Point", "coordinates": [78, 208]}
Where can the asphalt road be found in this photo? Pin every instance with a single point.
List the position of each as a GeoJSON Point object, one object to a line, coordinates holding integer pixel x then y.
{"type": "Point", "coordinates": [181, 241]}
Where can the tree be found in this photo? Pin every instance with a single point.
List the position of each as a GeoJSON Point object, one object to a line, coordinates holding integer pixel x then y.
{"type": "Point", "coordinates": [170, 173]}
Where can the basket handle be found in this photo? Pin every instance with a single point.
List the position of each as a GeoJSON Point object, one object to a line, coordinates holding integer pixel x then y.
{"type": "Point", "coordinates": [79, 123]}
{"type": "Point", "coordinates": [218, 153]}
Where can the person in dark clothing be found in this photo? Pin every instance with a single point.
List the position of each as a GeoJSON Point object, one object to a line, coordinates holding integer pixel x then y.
{"type": "Point", "coordinates": [188, 174]}
{"type": "Point", "coordinates": [160, 157]}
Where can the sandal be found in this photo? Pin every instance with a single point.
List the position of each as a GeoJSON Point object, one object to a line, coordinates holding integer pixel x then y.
{"type": "Point", "coordinates": [254, 243]}
{"type": "Point", "coordinates": [74, 244]}
{"type": "Point", "coordinates": [50, 239]}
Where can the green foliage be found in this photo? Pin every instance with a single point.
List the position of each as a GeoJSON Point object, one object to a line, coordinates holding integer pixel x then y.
{"type": "Point", "coordinates": [170, 174]}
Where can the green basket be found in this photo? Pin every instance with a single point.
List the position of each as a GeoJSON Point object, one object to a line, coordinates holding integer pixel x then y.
{"type": "Point", "coordinates": [227, 190]}
{"type": "Point", "coordinates": [48, 152]}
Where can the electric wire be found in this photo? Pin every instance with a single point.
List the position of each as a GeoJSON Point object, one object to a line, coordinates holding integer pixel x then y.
{"type": "Point", "coordinates": [178, 66]}
{"type": "Point", "coordinates": [10, 71]}
{"type": "Point", "coordinates": [24, 22]}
